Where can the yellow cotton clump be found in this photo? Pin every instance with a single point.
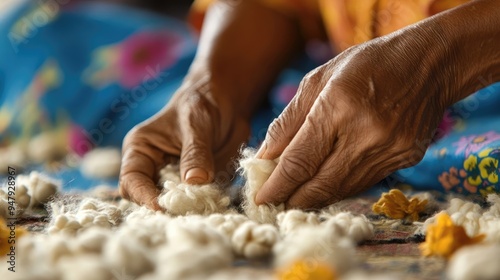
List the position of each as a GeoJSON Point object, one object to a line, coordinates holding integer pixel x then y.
{"type": "Point", "coordinates": [307, 270]}
{"type": "Point", "coordinates": [5, 233]}
{"type": "Point", "coordinates": [443, 238]}
{"type": "Point", "coordinates": [394, 204]}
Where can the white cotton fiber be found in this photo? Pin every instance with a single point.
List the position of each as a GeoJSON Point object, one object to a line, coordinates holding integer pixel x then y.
{"type": "Point", "coordinates": [84, 267]}
{"type": "Point", "coordinates": [184, 199]}
{"type": "Point", "coordinates": [478, 262]}
{"type": "Point", "coordinates": [256, 172]}
{"type": "Point", "coordinates": [323, 244]}
{"type": "Point", "coordinates": [47, 146]}
{"type": "Point", "coordinates": [291, 220]}
{"type": "Point", "coordinates": [473, 218]}
{"type": "Point", "coordinates": [125, 252]}
{"type": "Point", "coordinates": [356, 227]}
{"type": "Point", "coordinates": [252, 240]}
{"type": "Point", "coordinates": [192, 251]}
{"type": "Point", "coordinates": [226, 223]}
{"type": "Point", "coordinates": [40, 187]}
{"type": "Point", "coordinates": [13, 156]}
{"type": "Point", "coordinates": [90, 212]}
{"type": "Point", "coordinates": [101, 163]}
{"type": "Point", "coordinates": [31, 190]}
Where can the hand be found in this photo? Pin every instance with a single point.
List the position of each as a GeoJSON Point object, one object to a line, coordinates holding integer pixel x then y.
{"type": "Point", "coordinates": [197, 126]}
{"type": "Point", "coordinates": [366, 113]}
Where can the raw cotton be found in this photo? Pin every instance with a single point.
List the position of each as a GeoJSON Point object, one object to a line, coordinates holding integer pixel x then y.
{"type": "Point", "coordinates": [291, 220]}
{"type": "Point", "coordinates": [31, 190]}
{"type": "Point", "coordinates": [355, 227]}
{"type": "Point", "coordinates": [478, 262]}
{"type": "Point", "coordinates": [101, 163]}
{"type": "Point", "coordinates": [90, 212]}
{"type": "Point", "coordinates": [184, 199]}
{"type": "Point", "coordinates": [13, 156]}
{"type": "Point", "coordinates": [256, 172]}
{"type": "Point", "coordinates": [473, 218]}
{"type": "Point", "coordinates": [316, 244]}
{"type": "Point", "coordinates": [443, 238]}
{"type": "Point", "coordinates": [47, 146]}
{"type": "Point", "coordinates": [252, 240]}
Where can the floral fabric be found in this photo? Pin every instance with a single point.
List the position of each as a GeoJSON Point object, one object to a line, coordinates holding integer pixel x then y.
{"type": "Point", "coordinates": [93, 71]}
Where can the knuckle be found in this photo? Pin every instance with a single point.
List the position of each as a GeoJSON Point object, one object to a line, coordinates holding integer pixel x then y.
{"type": "Point", "coordinates": [123, 191]}
{"type": "Point", "coordinates": [316, 195]}
{"type": "Point", "coordinates": [194, 155]}
{"type": "Point", "coordinates": [296, 170]}
{"type": "Point", "coordinates": [275, 131]}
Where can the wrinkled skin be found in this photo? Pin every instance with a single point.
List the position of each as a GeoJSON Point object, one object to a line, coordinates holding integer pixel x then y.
{"type": "Point", "coordinates": [354, 127]}
{"type": "Point", "coordinates": [366, 113]}
{"type": "Point", "coordinates": [196, 127]}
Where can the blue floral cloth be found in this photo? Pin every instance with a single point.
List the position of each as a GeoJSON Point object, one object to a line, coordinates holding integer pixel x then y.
{"type": "Point", "coordinates": [96, 70]}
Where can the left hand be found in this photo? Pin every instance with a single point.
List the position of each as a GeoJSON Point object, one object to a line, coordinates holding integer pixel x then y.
{"type": "Point", "coordinates": [371, 110]}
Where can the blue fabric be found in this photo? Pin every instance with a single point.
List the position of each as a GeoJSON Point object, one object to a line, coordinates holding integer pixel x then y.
{"type": "Point", "coordinates": [84, 69]}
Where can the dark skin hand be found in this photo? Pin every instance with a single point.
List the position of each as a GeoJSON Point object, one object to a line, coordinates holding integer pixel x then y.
{"type": "Point", "coordinates": [207, 120]}
{"type": "Point", "coordinates": [366, 113]}
{"type": "Point", "coordinates": [374, 108]}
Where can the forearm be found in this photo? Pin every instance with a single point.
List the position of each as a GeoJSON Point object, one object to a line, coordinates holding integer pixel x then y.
{"type": "Point", "coordinates": [471, 37]}
{"type": "Point", "coordinates": [242, 49]}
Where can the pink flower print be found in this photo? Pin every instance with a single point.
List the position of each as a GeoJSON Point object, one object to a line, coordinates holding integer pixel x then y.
{"type": "Point", "coordinates": [143, 53]}
{"type": "Point", "coordinates": [79, 143]}
{"type": "Point", "coordinates": [445, 126]}
{"type": "Point", "coordinates": [286, 93]}
{"type": "Point", "coordinates": [474, 143]}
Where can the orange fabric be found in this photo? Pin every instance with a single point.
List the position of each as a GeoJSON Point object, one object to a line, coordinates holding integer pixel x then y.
{"type": "Point", "coordinates": [348, 22]}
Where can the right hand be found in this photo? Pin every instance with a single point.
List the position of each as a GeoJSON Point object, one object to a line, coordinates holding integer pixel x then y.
{"type": "Point", "coordinates": [198, 127]}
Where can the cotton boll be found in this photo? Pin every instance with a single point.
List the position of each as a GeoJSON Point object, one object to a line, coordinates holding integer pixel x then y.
{"type": "Point", "coordinates": [494, 210]}
{"type": "Point", "coordinates": [47, 146]}
{"type": "Point", "coordinates": [90, 212]}
{"type": "Point", "coordinates": [253, 240]}
{"type": "Point", "coordinates": [123, 252]}
{"type": "Point", "coordinates": [470, 222]}
{"type": "Point", "coordinates": [242, 273]}
{"type": "Point", "coordinates": [40, 254]}
{"type": "Point", "coordinates": [22, 197]}
{"type": "Point", "coordinates": [4, 208]}
{"type": "Point", "coordinates": [40, 187]}
{"type": "Point", "coordinates": [83, 267]}
{"type": "Point", "coordinates": [256, 172]}
{"type": "Point", "coordinates": [101, 163]}
{"type": "Point", "coordinates": [358, 228]}
{"type": "Point", "coordinates": [362, 275]}
{"type": "Point", "coordinates": [193, 251]}
{"type": "Point", "coordinates": [91, 241]}
{"type": "Point", "coordinates": [12, 156]}
{"type": "Point", "coordinates": [149, 232]}
{"type": "Point", "coordinates": [226, 223]}
{"type": "Point", "coordinates": [171, 172]}
{"type": "Point", "coordinates": [184, 199]}
{"type": "Point", "coordinates": [293, 219]}
{"type": "Point", "coordinates": [460, 206]}
{"type": "Point", "coordinates": [323, 244]}
{"type": "Point", "coordinates": [479, 262]}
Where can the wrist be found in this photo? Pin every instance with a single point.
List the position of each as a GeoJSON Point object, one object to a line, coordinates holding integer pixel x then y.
{"type": "Point", "coordinates": [466, 40]}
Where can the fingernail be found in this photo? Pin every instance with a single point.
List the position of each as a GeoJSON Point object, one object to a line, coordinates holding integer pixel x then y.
{"type": "Point", "coordinates": [196, 176]}
{"type": "Point", "coordinates": [261, 150]}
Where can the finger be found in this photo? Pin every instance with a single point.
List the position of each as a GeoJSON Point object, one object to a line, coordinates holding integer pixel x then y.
{"type": "Point", "coordinates": [196, 162]}
{"type": "Point", "coordinates": [225, 158]}
{"type": "Point", "coordinates": [136, 175]}
{"type": "Point", "coordinates": [282, 130]}
{"type": "Point", "coordinates": [328, 183]}
{"type": "Point", "coordinates": [300, 161]}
